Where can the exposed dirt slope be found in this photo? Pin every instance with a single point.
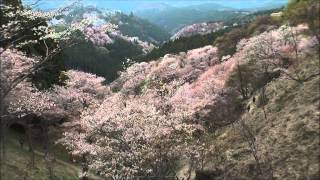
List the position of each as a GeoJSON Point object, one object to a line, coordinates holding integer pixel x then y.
{"type": "Point", "coordinates": [286, 136]}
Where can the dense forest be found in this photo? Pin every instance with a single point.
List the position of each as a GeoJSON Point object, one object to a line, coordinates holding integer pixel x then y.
{"type": "Point", "coordinates": [86, 94]}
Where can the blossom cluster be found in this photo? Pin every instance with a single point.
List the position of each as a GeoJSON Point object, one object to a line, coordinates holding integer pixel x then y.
{"type": "Point", "coordinates": [14, 63]}
{"type": "Point", "coordinates": [81, 90]}
{"type": "Point", "coordinates": [272, 46]}
{"type": "Point", "coordinates": [98, 34]}
{"type": "Point", "coordinates": [24, 98]}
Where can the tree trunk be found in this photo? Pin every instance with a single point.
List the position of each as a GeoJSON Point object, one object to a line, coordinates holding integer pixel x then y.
{"type": "Point", "coordinates": [85, 168]}
{"type": "Point", "coordinates": [243, 90]}
{"type": "Point", "coordinates": [31, 149]}
{"type": "Point", "coordinates": [1, 145]}
{"type": "Point", "coordinates": [250, 138]}
{"type": "Point", "coordinates": [1, 129]}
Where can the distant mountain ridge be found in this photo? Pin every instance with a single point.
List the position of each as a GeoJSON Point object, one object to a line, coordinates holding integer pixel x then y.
{"type": "Point", "coordinates": [174, 18]}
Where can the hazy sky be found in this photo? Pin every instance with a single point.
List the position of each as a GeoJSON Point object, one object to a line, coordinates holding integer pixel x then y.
{"type": "Point", "coordinates": [134, 5]}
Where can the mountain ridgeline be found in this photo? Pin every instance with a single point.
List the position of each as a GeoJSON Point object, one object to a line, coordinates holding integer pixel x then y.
{"type": "Point", "coordinates": [172, 19]}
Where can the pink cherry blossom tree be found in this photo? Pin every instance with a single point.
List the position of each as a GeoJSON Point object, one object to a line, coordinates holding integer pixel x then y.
{"type": "Point", "coordinates": [98, 34]}
{"type": "Point", "coordinates": [17, 95]}
{"type": "Point", "coordinates": [277, 49]}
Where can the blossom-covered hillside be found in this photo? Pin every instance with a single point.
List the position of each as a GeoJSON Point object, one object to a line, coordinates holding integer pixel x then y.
{"type": "Point", "coordinates": [157, 106]}
{"type": "Point", "coordinates": [199, 28]}
{"type": "Point", "coordinates": [243, 107]}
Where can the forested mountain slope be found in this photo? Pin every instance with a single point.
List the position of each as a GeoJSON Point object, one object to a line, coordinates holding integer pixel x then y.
{"type": "Point", "coordinates": [135, 37]}
{"type": "Point", "coordinates": [128, 25]}
{"type": "Point", "coordinates": [134, 26]}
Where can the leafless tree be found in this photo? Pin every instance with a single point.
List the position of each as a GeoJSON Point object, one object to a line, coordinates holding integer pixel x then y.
{"type": "Point", "coordinates": [263, 164]}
